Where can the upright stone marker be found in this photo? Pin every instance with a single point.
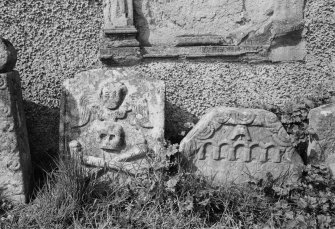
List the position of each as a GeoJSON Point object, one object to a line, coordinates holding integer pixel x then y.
{"type": "Point", "coordinates": [235, 145]}
{"type": "Point", "coordinates": [321, 148]}
{"type": "Point", "coordinates": [111, 118]}
{"type": "Point", "coordinates": [15, 161]}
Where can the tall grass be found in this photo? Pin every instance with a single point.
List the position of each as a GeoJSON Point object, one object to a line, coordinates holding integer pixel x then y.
{"type": "Point", "coordinates": [165, 197]}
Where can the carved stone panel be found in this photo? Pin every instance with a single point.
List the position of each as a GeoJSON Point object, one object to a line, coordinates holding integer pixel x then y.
{"type": "Point", "coordinates": [15, 160]}
{"type": "Point", "coordinates": [118, 15]}
{"type": "Point", "coordinates": [235, 145]}
{"type": "Point", "coordinates": [321, 148]}
{"type": "Point", "coordinates": [111, 117]}
{"type": "Point", "coordinates": [199, 22]}
{"type": "Point", "coordinates": [271, 28]}
{"type": "Point", "coordinates": [119, 38]}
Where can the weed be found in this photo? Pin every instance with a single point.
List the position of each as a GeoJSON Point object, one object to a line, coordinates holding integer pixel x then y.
{"type": "Point", "coordinates": [166, 196]}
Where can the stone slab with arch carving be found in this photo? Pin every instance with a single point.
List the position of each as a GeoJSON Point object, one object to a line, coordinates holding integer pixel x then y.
{"type": "Point", "coordinates": [237, 145]}
{"type": "Point", "coordinates": [112, 118]}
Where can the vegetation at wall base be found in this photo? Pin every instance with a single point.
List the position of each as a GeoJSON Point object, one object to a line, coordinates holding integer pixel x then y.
{"type": "Point", "coordinates": [165, 196]}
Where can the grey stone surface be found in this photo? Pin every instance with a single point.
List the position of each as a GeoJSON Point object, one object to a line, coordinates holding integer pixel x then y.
{"type": "Point", "coordinates": [179, 29]}
{"type": "Point", "coordinates": [15, 160]}
{"type": "Point", "coordinates": [8, 56]}
{"type": "Point", "coordinates": [119, 42]}
{"type": "Point", "coordinates": [238, 145]}
{"type": "Point", "coordinates": [321, 148]}
{"type": "Point", "coordinates": [271, 24]}
{"type": "Point", "coordinates": [112, 117]}
{"type": "Point", "coordinates": [118, 14]}
{"type": "Point", "coordinates": [56, 39]}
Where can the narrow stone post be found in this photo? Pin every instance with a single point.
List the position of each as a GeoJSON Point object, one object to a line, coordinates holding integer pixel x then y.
{"type": "Point", "coordinates": [15, 160]}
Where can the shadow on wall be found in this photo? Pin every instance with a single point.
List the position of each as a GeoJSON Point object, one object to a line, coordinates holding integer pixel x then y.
{"type": "Point", "coordinates": [175, 131]}
{"type": "Point", "coordinates": [43, 134]}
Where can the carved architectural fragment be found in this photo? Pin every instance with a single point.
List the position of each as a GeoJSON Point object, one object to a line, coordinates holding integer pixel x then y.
{"type": "Point", "coordinates": [119, 31]}
{"type": "Point", "coordinates": [111, 118]}
{"type": "Point", "coordinates": [15, 161]}
{"type": "Point", "coordinates": [235, 145]}
{"type": "Point", "coordinates": [118, 15]}
{"type": "Point", "coordinates": [321, 148]}
{"type": "Point", "coordinates": [272, 28]}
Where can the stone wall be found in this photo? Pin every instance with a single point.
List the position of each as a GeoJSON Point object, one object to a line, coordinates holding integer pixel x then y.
{"type": "Point", "coordinates": [58, 38]}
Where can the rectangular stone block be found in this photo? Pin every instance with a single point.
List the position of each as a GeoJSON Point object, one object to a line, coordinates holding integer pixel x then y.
{"type": "Point", "coordinates": [201, 51]}
{"type": "Point", "coordinates": [118, 16]}
{"type": "Point", "coordinates": [238, 145]}
{"type": "Point", "coordinates": [233, 21]}
{"type": "Point", "coordinates": [15, 160]}
{"type": "Point", "coordinates": [111, 118]}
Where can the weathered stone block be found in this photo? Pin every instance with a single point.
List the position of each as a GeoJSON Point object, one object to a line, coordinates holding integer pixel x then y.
{"type": "Point", "coordinates": [120, 55]}
{"type": "Point", "coordinates": [111, 118]}
{"type": "Point", "coordinates": [236, 144]}
{"type": "Point", "coordinates": [15, 161]}
{"type": "Point", "coordinates": [118, 16]}
{"type": "Point", "coordinates": [321, 148]}
{"type": "Point", "coordinates": [272, 23]}
{"type": "Point", "coordinates": [271, 28]}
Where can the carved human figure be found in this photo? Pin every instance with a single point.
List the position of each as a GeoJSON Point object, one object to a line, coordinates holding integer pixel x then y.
{"type": "Point", "coordinates": [118, 13]}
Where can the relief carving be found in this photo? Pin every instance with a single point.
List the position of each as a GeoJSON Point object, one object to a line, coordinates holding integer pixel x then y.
{"type": "Point", "coordinates": [244, 30]}
{"type": "Point", "coordinates": [110, 137]}
{"type": "Point", "coordinates": [3, 82]}
{"type": "Point", "coordinates": [118, 13]}
{"type": "Point", "coordinates": [4, 109]}
{"type": "Point", "coordinates": [239, 137]}
{"type": "Point", "coordinates": [6, 126]}
{"type": "Point", "coordinates": [15, 164]}
{"type": "Point", "coordinates": [110, 123]}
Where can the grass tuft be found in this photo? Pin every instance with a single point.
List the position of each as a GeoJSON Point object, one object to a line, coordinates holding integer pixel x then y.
{"type": "Point", "coordinates": [165, 196]}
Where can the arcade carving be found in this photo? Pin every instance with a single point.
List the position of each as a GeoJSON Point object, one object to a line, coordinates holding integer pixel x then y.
{"type": "Point", "coordinates": [244, 136]}
{"type": "Point", "coordinates": [240, 137]}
